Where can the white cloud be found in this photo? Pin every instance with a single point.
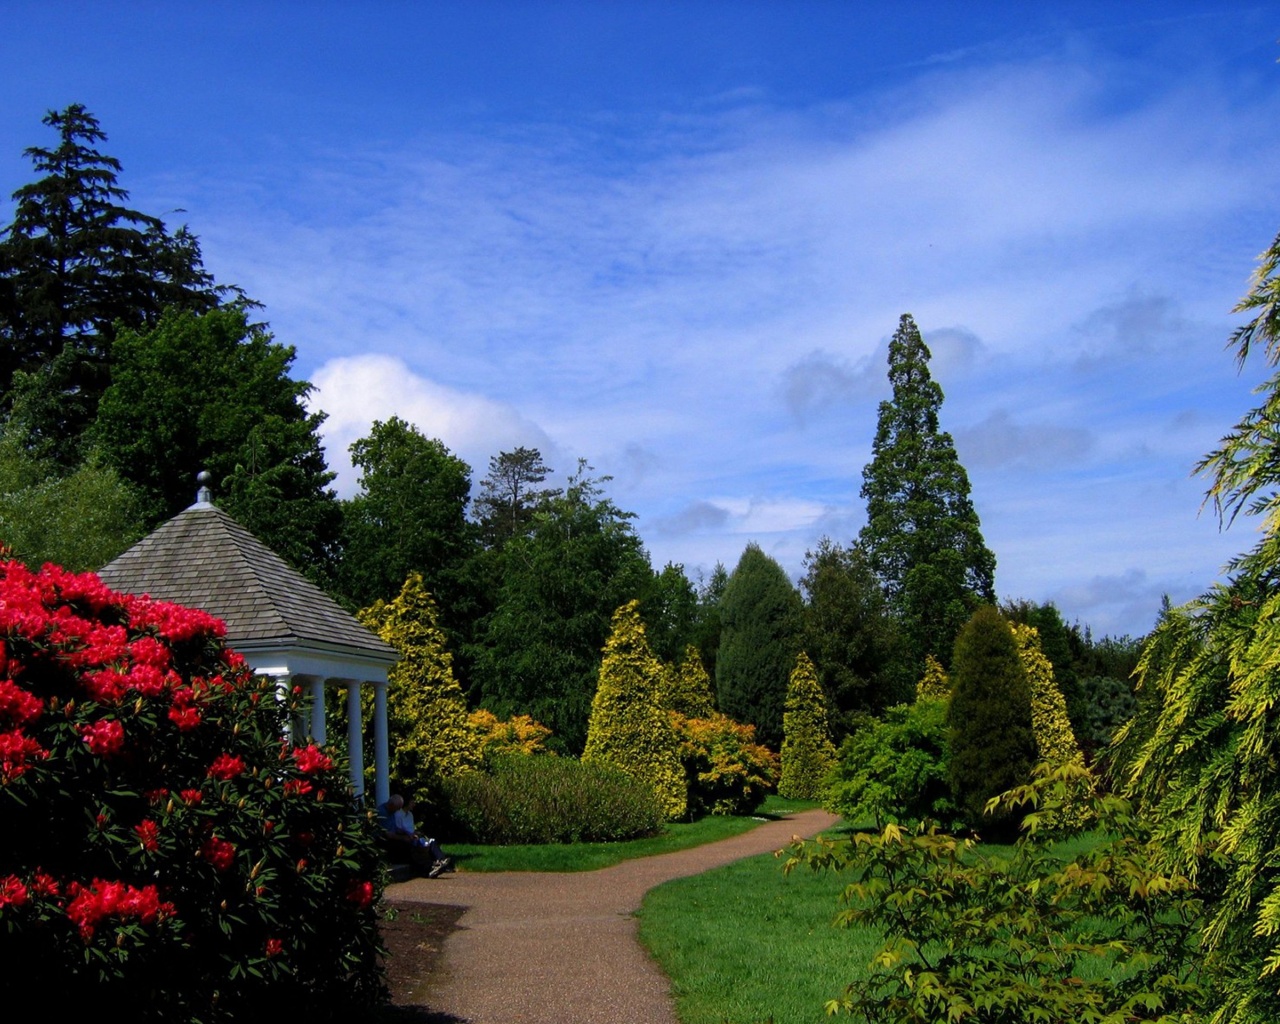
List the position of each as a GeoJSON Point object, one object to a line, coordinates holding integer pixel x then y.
{"type": "Point", "coordinates": [354, 391]}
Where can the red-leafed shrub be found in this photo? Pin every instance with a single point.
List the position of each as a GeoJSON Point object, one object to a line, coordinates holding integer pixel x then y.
{"type": "Point", "coordinates": [164, 853]}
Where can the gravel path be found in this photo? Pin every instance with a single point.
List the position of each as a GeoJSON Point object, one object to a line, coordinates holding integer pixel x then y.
{"type": "Point", "coordinates": [537, 948]}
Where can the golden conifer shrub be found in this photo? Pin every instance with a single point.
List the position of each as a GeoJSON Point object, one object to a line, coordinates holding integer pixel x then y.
{"type": "Point", "coordinates": [431, 738]}
{"type": "Point", "coordinates": [1055, 742]}
{"type": "Point", "coordinates": [808, 754]}
{"type": "Point", "coordinates": [933, 684]}
{"type": "Point", "coordinates": [629, 728]}
{"type": "Point", "coordinates": [687, 687]}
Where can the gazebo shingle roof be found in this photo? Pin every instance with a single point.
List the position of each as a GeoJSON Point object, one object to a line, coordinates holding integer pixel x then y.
{"type": "Point", "coordinates": [205, 559]}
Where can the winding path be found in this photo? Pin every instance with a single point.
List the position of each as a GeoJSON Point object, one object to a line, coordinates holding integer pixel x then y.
{"type": "Point", "coordinates": [537, 948]}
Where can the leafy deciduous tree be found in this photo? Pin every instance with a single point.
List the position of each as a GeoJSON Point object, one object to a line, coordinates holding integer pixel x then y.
{"type": "Point", "coordinates": [538, 653]}
{"type": "Point", "coordinates": [210, 391]}
{"type": "Point", "coordinates": [410, 516]}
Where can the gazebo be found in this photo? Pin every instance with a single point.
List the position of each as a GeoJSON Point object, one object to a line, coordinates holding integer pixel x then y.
{"type": "Point", "coordinates": [286, 627]}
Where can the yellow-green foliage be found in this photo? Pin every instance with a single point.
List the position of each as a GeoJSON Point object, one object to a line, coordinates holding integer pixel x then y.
{"type": "Point", "coordinates": [431, 739]}
{"type": "Point", "coordinates": [519, 734]}
{"type": "Point", "coordinates": [687, 687]}
{"type": "Point", "coordinates": [629, 729]}
{"type": "Point", "coordinates": [934, 684]}
{"type": "Point", "coordinates": [727, 771]}
{"type": "Point", "coordinates": [807, 751]}
{"type": "Point", "coordinates": [1055, 742]}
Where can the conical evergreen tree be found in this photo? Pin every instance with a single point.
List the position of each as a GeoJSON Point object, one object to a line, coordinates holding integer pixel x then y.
{"type": "Point", "coordinates": [629, 729]}
{"type": "Point", "coordinates": [808, 754]}
{"type": "Point", "coordinates": [1055, 742]}
{"type": "Point", "coordinates": [760, 622]}
{"type": "Point", "coordinates": [922, 538]}
{"type": "Point", "coordinates": [934, 684]}
{"type": "Point", "coordinates": [687, 687]}
{"type": "Point", "coordinates": [431, 738]}
{"type": "Point", "coordinates": [74, 263]}
{"type": "Point", "coordinates": [992, 745]}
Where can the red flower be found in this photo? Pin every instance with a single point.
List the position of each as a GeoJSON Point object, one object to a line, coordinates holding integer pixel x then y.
{"type": "Point", "coordinates": [105, 738]}
{"type": "Point", "coordinates": [274, 948]}
{"type": "Point", "coordinates": [90, 904]}
{"type": "Point", "coordinates": [218, 852]}
{"type": "Point", "coordinates": [15, 751]}
{"type": "Point", "coordinates": [148, 835]}
{"type": "Point", "coordinates": [18, 705]}
{"type": "Point", "coordinates": [226, 766]}
{"type": "Point", "coordinates": [185, 718]}
{"type": "Point", "coordinates": [44, 884]}
{"type": "Point", "coordinates": [310, 759]}
{"type": "Point", "coordinates": [360, 893]}
{"type": "Point", "coordinates": [191, 797]}
{"type": "Point", "coordinates": [296, 787]}
{"type": "Point", "coordinates": [12, 892]}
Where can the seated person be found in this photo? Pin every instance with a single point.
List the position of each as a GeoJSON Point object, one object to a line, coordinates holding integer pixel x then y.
{"type": "Point", "coordinates": [423, 851]}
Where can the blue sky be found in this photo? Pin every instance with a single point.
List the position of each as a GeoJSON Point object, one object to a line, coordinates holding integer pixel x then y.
{"type": "Point", "coordinates": [674, 238]}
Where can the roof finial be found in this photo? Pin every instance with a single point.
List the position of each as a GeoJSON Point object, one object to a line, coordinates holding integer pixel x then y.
{"type": "Point", "coordinates": [203, 495]}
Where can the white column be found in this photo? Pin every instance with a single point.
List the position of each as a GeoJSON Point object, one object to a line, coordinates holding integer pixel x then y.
{"type": "Point", "coordinates": [354, 741]}
{"type": "Point", "coordinates": [381, 749]}
{"type": "Point", "coordinates": [284, 689]}
{"type": "Point", "coordinates": [318, 732]}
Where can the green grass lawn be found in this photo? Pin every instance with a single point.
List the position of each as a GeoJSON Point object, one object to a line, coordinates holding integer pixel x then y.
{"type": "Point", "coordinates": [746, 944]}
{"type": "Point", "coordinates": [590, 856]}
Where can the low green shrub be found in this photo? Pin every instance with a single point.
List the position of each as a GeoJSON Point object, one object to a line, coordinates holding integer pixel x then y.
{"type": "Point", "coordinates": [166, 856]}
{"type": "Point", "coordinates": [895, 769]}
{"type": "Point", "coordinates": [550, 800]}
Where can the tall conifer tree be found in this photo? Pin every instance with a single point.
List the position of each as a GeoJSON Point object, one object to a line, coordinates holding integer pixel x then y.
{"type": "Point", "coordinates": [74, 263]}
{"type": "Point", "coordinates": [922, 538]}
{"type": "Point", "coordinates": [761, 620]}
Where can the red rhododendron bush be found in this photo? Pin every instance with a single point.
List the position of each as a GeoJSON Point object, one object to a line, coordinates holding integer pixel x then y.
{"type": "Point", "coordinates": [162, 849]}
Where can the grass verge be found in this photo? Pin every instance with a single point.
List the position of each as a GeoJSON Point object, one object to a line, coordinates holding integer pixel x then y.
{"type": "Point", "coordinates": [590, 856]}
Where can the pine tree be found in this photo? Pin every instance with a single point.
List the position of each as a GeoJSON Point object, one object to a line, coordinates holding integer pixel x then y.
{"type": "Point", "coordinates": [992, 745]}
{"type": "Point", "coordinates": [808, 754]}
{"type": "Point", "coordinates": [923, 538]}
{"type": "Point", "coordinates": [761, 619]}
{"type": "Point", "coordinates": [629, 729]}
{"type": "Point", "coordinates": [74, 263]}
{"type": "Point", "coordinates": [687, 687]}
{"type": "Point", "coordinates": [431, 736]}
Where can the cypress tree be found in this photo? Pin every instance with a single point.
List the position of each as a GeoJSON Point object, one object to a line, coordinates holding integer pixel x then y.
{"type": "Point", "coordinates": [922, 538]}
{"type": "Point", "coordinates": [431, 737]}
{"type": "Point", "coordinates": [760, 621]}
{"type": "Point", "coordinates": [989, 718]}
{"type": "Point", "coordinates": [808, 754]}
{"type": "Point", "coordinates": [687, 687]}
{"type": "Point", "coordinates": [629, 729]}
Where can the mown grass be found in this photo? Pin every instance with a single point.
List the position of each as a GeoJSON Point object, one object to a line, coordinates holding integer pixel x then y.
{"type": "Point", "coordinates": [590, 856]}
{"type": "Point", "coordinates": [746, 944]}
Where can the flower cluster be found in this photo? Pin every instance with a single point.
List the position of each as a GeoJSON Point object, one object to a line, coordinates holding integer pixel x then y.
{"type": "Point", "coordinates": [89, 905]}
{"type": "Point", "coordinates": [135, 750]}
